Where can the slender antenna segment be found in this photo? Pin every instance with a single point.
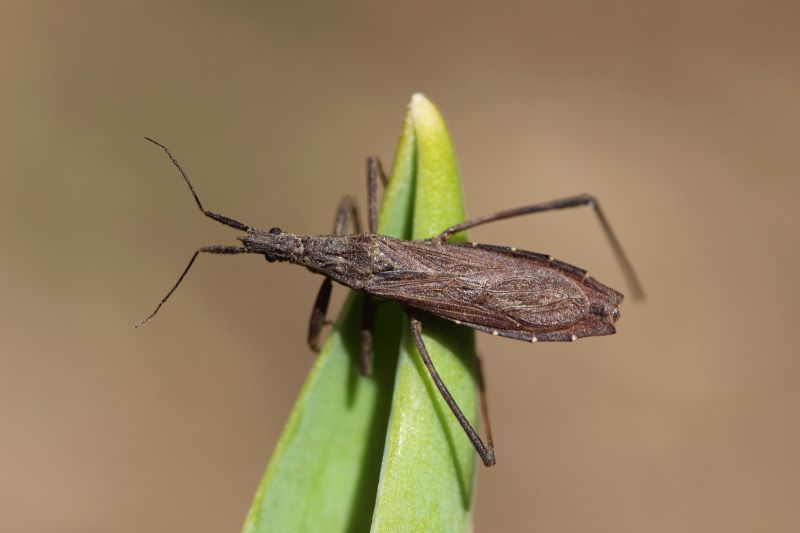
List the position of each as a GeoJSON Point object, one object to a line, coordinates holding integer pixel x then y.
{"type": "Point", "coordinates": [206, 249]}
{"type": "Point", "coordinates": [165, 298]}
{"type": "Point", "coordinates": [215, 216]}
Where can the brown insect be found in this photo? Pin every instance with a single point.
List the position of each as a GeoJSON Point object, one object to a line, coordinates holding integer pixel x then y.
{"type": "Point", "coordinates": [498, 290]}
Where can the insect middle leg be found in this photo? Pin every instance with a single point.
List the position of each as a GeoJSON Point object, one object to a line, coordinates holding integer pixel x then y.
{"type": "Point", "coordinates": [563, 203]}
{"type": "Point", "coordinates": [374, 172]}
{"type": "Point", "coordinates": [486, 453]}
{"type": "Point", "coordinates": [347, 211]}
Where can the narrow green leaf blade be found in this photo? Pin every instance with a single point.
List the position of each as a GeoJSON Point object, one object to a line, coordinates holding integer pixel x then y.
{"type": "Point", "coordinates": [427, 479]}
{"type": "Point", "coordinates": [324, 472]}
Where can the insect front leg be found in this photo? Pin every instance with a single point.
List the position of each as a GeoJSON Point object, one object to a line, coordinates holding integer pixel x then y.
{"type": "Point", "coordinates": [318, 312]}
{"type": "Point", "coordinates": [347, 211]}
{"type": "Point", "coordinates": [374, 172]}
{"type": "Point", "coordinates": [486, 453]}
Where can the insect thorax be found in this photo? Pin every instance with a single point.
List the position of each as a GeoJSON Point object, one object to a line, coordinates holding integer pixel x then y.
{"type": "Point", "coordinates": [349, 259]}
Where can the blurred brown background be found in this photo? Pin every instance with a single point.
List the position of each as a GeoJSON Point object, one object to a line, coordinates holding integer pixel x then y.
{"type": "Point", "coordinates": [682, 117]}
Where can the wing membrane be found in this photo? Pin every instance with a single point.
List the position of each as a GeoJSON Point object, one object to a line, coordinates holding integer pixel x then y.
{"type": "Point", "coordinates": [488, 286]}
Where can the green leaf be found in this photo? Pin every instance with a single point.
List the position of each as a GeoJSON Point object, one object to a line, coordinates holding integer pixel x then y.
{"type": "Point", "coordinates": [325, 472]}
{"type": "Point", "coordinates": [427, 479]}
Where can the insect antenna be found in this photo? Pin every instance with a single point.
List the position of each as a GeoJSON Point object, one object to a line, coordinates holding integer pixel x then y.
{"type": "Point", "coordinates": [210, 214]}
{"type": "Point", "coordinates": [206, 249]}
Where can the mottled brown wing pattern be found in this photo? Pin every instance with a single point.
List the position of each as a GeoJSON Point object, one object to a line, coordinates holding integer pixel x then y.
{"type": "Point", "coordinates": [515, 293]}
{"type": "Point", "coordinates": [533, 301]}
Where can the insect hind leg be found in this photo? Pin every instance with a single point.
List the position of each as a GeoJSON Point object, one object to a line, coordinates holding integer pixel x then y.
{"type": "Point", "coordinates": [486, 453]}
{"type": "Point", "coordinates": [563, 203]}
{"type": "Point", "coordinates": [485, 405]}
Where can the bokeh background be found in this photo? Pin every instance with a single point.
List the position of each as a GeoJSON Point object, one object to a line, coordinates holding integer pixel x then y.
{"type": "Point", "coordinates": [682, 117]}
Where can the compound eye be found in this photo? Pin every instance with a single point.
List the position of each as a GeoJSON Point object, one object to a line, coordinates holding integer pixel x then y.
{"type": "Point", "coordinates": [271, 257]}
{"type": "Point", "coordinates": [275, 231]}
